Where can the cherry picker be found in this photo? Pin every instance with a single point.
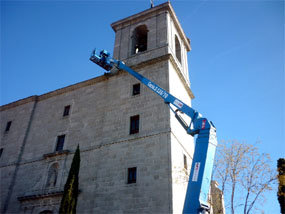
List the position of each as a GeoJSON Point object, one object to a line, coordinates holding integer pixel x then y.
{"type": "Point", "coordinates": [196, 201]}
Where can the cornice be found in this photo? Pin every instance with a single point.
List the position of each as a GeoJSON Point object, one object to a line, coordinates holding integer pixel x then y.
{"type": "Point", "coordinates": [56, 92]}
{"type": "Point", "coordinates": [23, 101]}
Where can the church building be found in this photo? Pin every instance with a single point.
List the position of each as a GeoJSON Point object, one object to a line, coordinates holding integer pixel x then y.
{"type": "Point", "coordinates": [135, 155]}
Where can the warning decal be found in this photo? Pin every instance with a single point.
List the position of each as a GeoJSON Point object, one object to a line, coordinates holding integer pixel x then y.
{"type": "Point", "coordinates": [196, 171]}
{"type": "Point", "coordinates": [178, 103]}
{"type": "Point", "coordinates": [203, 124]}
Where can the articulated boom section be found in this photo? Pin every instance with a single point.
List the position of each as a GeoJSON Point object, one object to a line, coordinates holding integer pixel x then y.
{"type": "Point", "coordinates": [196, 200]}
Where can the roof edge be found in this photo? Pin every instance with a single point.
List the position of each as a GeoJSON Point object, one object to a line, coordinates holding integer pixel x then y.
{"type": "Point", "coordinates": [53, 93]}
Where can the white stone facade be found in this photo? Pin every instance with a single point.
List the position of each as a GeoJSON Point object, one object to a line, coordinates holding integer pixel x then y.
{"type": "Point", "coordinates": [99, 121]}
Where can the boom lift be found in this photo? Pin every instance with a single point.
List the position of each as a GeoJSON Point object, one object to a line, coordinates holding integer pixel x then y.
{"type": "Point", "coordinates": [196, 201]}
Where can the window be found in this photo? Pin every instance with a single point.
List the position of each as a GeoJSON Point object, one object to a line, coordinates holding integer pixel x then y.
{"type": "Point", "coordinates": [185, 161]}
{"type": "Point", "coordinates": [66, 110]}
{"type": "Point", "coordinates": [1, 151]}
{"type": "Point", "coordinates": [139, 39]}
{"type": "Point", "coordinates": [8, 126]}
{"type": "Point", "coordinates": [134, 124]}
{"type": "Point", "coordinates": [177, 49]}
{"type": "Point", "coordinates": [136, 89]}
{"type": "Point", "coordinates": [132, 175]}
{"type": "Point", "coordinates": [60, 143]}
{"type": "Point", "coordinates": [52, 175]}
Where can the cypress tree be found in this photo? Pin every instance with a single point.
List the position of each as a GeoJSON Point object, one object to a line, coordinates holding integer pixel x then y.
{"type": "Point", "coordinates": [69, 198]}
{"type": "Point", "coordinates": [281, 188]}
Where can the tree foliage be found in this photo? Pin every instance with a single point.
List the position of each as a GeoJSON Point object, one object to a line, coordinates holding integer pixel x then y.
{"type": "Point", "coordinates": [244, 175]}
{"type": "Point", "coordinates": [281, 187]}
{"type": "Point", "coordinates": [69, 198]}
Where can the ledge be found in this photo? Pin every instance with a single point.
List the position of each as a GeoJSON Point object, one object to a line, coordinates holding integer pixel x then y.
{"type": "Point", "coordinates": [63, 152]}
{"type": "Point", "coordinates": [41, 194]}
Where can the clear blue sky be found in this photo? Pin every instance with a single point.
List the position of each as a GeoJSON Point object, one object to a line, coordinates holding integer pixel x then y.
{"type": "Point", "coordinates": [236, 64]}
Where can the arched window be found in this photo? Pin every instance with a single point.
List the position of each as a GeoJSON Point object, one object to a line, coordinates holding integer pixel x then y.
{"type": "Point", "coordinates": [52, 175]}
{"type": "Point", "coordinates": [139, 39]}
{"type": "Point", "coordinates": [177, 49]}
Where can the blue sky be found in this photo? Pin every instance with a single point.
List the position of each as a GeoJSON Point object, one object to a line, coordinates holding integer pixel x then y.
{"type": "Point", "coordinates": [236, 64]}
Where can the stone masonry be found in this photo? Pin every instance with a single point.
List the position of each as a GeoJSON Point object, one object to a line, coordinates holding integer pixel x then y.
{"type": "Point", "coordinates": [34, 170]}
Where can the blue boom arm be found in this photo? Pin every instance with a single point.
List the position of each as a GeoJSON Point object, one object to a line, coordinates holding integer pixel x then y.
{"type": "Point", "coordinates": [196, 200]}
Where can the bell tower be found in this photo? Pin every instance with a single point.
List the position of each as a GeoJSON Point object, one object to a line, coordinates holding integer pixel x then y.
{"type": "Point", "coordinates": [154, 44]}
{"type": "Point", "coordinates": [151, 35]}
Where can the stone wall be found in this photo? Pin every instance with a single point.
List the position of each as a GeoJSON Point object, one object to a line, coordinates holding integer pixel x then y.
{"type": "Point", "coordinates": [99, 121]}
